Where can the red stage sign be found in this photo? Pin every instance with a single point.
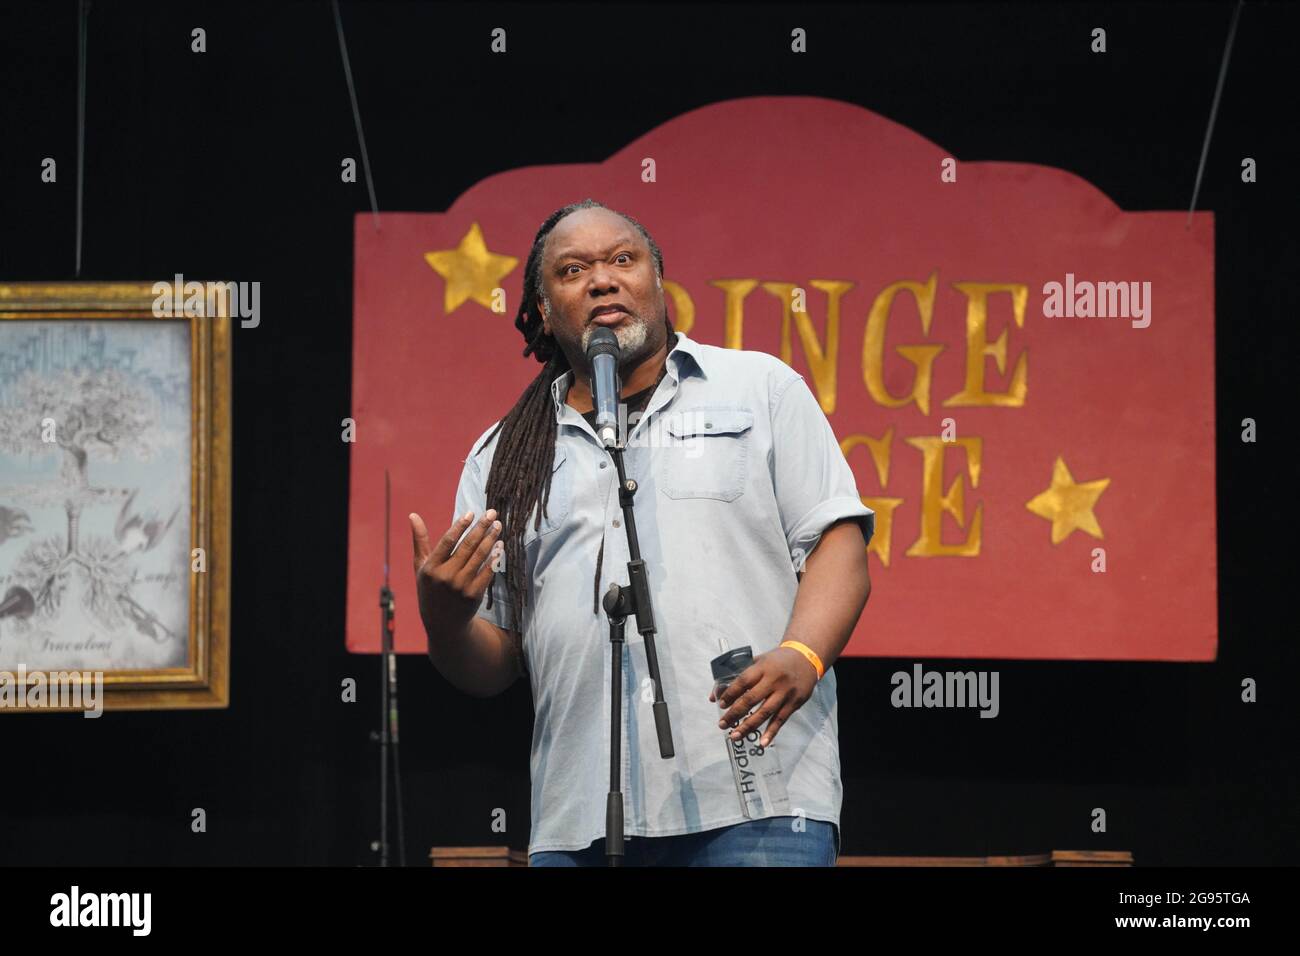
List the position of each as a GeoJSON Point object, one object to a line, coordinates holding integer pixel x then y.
{"type": "Point", "coordinates": [1020, 373]}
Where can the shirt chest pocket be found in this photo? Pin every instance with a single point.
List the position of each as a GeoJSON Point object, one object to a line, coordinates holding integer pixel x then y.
{"type": "Point", "coordinates": [707, 453]}
{"type": "Point", "coordinates": [560, 502]}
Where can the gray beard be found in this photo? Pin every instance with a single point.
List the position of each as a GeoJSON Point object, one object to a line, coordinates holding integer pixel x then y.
{"type": "Point", "coordinates": [631, 338]}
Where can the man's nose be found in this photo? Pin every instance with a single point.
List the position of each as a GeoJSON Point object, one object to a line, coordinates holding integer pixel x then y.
{"type": "Point", "coordinates": [602, 278]}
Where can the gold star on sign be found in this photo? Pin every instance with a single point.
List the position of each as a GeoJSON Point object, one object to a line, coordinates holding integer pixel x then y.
{"type": "Point", "coordinates": [470, 271]}
{"type": "Point", "coordinates": [1067, 504]}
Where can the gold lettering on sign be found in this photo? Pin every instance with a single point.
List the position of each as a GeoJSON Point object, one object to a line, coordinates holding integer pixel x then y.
{"type": "Point", "coordinates": [683, 306]}
{"type": "Point", "coordinates": [821, 354]}
{"type": "Point", "coordinates": [879, 449]}
{"type": "Point", "coordinates": [734, 292]}
{"type": "Point", "coordinates": [921, 356]}
{"type": "Point", "coordinates": [934, 503]}
{"type": "Point", "coordinates": [822, 362]}
{"type": "Point", "coordinates": [884, 533]}
{"type": "Point", "coordinates": [978, 347]}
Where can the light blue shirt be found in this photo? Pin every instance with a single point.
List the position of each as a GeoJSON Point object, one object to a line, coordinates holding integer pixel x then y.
{"type": "Point", "coordinates": [739, 474]}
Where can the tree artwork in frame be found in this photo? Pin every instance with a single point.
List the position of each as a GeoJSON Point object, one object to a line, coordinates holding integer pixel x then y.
{"type": "Point", "coordinates": [114, 498]}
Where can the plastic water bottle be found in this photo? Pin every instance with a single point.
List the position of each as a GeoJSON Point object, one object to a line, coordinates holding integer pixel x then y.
{"type": "Point", "coordinates": [757, 769]}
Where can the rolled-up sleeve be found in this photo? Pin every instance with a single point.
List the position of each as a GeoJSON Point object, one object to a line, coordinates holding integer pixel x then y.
{"type": "Point", "coordinates": [470, 496]}
{"type": "Point", "coordinates": [814, 484]}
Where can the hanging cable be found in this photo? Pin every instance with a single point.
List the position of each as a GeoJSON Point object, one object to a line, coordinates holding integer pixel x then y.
{"type": "Point", "coordinates": [356, 112]}
{"type": "Point", "coordinates": [83, 14]}
{"type": "Point", "coordinates": [1214, 108]}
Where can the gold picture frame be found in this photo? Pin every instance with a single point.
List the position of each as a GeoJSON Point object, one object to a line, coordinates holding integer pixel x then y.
{"type": "Point", "coordinates": [203, 680]}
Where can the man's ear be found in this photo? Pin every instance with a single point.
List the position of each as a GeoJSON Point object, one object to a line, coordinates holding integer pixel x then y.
{"type": "Point", "coordinates": [546, 316]}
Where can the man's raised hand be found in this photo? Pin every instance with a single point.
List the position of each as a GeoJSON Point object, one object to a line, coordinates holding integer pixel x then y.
{"type": "Point", "coordinates": [451, 580]}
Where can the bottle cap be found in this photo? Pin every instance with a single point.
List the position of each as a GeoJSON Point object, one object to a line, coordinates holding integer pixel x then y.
{"type": "Point", "coordinates": [728, 665]}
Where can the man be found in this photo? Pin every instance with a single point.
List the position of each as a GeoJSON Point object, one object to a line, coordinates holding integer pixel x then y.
{"type": "Point", "coordinates": [753, 534]}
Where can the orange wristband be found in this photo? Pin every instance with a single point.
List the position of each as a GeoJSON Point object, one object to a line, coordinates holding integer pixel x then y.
{"type": "Point", "coordinates": [809, 653]}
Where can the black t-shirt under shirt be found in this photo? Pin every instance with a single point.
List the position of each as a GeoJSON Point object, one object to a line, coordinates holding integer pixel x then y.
{"type": "Point", "coordinates": [635, 404]}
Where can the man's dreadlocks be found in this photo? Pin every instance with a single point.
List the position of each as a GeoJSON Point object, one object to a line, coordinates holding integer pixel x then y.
{"type": "Point", "coordinates": [520, 476]}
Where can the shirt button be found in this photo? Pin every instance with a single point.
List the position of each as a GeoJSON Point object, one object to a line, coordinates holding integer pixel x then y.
{"type": "Point", "coordinates": [603, 464]}
{"type": "Point", "coordinates": [708, 424]}
{"type": "Point", "coordinates": [615, 522]}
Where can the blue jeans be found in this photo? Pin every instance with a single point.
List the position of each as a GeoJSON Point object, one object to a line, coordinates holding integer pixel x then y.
{"type": "Point", "coordinates": [771, 841]}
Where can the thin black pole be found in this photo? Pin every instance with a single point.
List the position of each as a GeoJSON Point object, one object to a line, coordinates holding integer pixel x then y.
{"type": "Point", "coordinates": [1214, 108]}
{"type": "Point", "coordinates": [83, 14]}
{"type": "Point", "coordinates": [356, 113]}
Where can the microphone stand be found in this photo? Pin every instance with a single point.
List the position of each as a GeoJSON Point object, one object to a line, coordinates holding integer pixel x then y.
{"type": "Point", "coordinates": [387, 736]}
{"type": "Point", "coordinates": [619, 602]}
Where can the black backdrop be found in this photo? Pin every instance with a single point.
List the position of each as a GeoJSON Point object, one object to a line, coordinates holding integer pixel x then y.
{"type": "Point", "coordinates": [226, 164]}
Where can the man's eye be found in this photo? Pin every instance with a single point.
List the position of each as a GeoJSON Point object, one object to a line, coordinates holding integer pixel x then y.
{"type": "Point", "coordinates": [623, 255]}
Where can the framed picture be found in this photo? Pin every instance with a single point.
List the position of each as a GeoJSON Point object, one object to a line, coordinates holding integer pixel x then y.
{"type": "Point", "coordinates": [114, 495]}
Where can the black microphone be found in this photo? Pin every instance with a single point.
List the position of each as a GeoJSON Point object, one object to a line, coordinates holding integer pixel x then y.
{"type": "Point", "coordinates": [603, 355]}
